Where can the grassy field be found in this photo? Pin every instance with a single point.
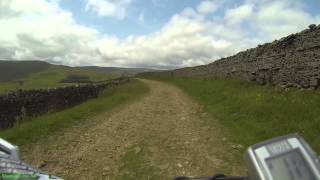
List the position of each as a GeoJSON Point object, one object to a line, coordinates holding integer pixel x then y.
{"type": "Point", "coordinates": [253, 113]}
{"type": "Point", "coordinates": [51, 77]}
{"type": "Point", "coordinates": [42, 127]}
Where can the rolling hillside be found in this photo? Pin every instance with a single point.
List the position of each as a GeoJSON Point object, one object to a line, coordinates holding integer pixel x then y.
{"type": "Point", "coordinates": [118, 70]}
{"type": "Point", "coordinates": [36, 74]}
{"type": "Point", "coordinates": [13, 70]}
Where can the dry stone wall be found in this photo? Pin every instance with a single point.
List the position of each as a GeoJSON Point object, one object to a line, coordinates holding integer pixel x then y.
{"type": "Point", "coordinates": [293, 61]}
{"type": "Point", "coordinates": [29, 103]}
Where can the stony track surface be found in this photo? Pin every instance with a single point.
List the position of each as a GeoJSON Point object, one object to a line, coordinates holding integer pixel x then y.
{"type": "Point", "coordinates": [165, 128]}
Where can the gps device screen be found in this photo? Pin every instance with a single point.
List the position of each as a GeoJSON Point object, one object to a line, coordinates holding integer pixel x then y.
{"type": "Point", "coordinates": [290, 166]}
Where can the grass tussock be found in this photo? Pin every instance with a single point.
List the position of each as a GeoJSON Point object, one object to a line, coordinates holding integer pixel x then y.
{"type": "Point", "coordinates": [135, 165]}
{"type": "Point", "coordinates": [254, 113]}
{"type": "Point", "coordinates": [43, 126]}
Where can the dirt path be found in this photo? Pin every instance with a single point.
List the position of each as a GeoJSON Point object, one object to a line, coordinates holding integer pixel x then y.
{"type": "Point", "coordinates": [161, 136]}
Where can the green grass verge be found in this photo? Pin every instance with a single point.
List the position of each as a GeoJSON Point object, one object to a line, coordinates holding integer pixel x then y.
{"type": "Point", "coordinates": [43, 126]}
{"type": "Point", "coordinates": [254, 113]}
{"type": "Point", "coordinates": [51, 77]}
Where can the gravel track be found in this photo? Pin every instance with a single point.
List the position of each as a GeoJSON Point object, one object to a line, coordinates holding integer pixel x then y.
{"type": "Point", "coordinates": [165, 123]}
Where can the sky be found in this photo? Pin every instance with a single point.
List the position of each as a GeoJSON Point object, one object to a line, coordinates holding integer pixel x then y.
{"type": "Point", "coordinates": [161, 34]}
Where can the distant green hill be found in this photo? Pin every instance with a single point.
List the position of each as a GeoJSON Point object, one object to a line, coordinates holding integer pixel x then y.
{"type": "Point", "coordinates": [12, 70]}
{"type": "Point", "coordinates": [36, 74]}
{"type": "Point", "coordinates": [117, 70]}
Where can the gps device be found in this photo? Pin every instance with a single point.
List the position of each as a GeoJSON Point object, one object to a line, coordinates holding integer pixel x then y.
{"type": "Point", "coordinates": [283, 158]}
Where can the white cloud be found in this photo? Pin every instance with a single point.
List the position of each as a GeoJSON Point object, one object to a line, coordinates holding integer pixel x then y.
{"type": "Point", "coordinates": [190, 39]}
{"type": "Point", "coordinates": [45, 31]}
{"type": "Point", "coordinates": [108, 8]}
{"type": "Point", "coordinates": [271, 19]}
{"type": "Point", "coordinates": [239, 14]}
{"type": "Point", "coordinates": [14, 8]}
{"type": "Point", "coordinates": [182, 42]}
{"type": "Point", "coordinates": [280, 18]}
{"type": "Point", "coordinates": [192, 14]}
{"type": "Point", "coordinates": [206, 7]}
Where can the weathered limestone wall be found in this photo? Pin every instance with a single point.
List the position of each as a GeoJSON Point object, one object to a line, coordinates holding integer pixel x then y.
{"type": "Point", "coordinates": [29, 103]}
{"type": "Point", "coordinates": [293, 61]}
